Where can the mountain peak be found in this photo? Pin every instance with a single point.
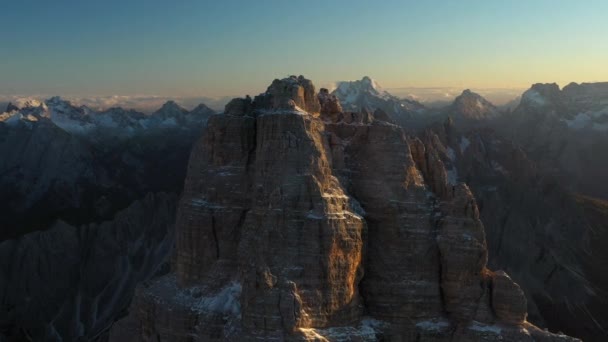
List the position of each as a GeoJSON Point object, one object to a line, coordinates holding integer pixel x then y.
{"type": "Point", "coordinates": [367, 84]}
{"type": "Point", "coordinates": [472, 106]}
{"type": "Point", "coordinates": [170, 108]}
{"type": "Point", "coordinates": [56, 99]}
{"type": "Point", "coordinates": [350, 91]}
{"type": "Point", "coordinates": [171, 105]}
{"type": "Point", "coordinates": [468, 95]}
{"type": "Point", "coordinates": [368, 81]}
{"type": "Point", "coordinates": [550, 90]}
{"type": "Point", "coordinates": [202, 108]}
{"type": "Point", "coordinates": [467, 92]}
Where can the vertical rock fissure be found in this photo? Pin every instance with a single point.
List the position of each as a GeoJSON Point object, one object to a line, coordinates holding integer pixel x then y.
{"type": "Point", "coordinates": [215, 239]}
{"type": "Point", "coordinates": [437, 217]}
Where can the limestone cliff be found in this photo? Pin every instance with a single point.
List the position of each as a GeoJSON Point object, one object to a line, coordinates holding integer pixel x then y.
{"type": "Point", "coordinates": [302, 223]}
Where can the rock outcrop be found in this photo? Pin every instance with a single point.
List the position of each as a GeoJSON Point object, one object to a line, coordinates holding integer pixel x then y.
{"type": "Point", "coordinates": [330, 104]}
{"type": "Point", "coordinates": [301, 224]}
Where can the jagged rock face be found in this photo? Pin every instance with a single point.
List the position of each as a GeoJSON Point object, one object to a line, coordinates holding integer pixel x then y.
{"type": "Point", "coordinates": [535, 230]}
{"type": "Point", "coordinates": [70, 283]}
{"type": "Point", "coordinates": [397, 209]}
{"type": "Point", "coordinates": [293, 224]}
{"type": "Point", "coordinates": [463, 254]}
{"type": "Point", "coordinates": [508, 299]}
{"type": "Point", "coordinates": [216, 195]}
{"type": "Point", "coordinates": [308, 233]}
{"type": "Point", "coordinates": [330, 104]}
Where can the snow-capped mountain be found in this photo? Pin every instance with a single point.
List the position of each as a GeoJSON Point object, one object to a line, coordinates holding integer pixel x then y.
{"type": "Point", "coordinates": [368, 94]}
{"type": "Point", "coordinates": [565, 130]}
{"type": "Point", "coordinates": [77, 164]}
{"type": "Point", "coordinates": [117, 121]}
{"type": "Point", "coordinates": [578, 106]}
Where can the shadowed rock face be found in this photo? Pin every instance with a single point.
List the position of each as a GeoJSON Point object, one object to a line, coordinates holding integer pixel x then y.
{"type": "Point", "coordinates": [78, 231]}
{"type": "Point", "coordinates": [564, 132]}
{"type": "Point", "coordinates": [52, 170]}
{"type": "Point", "coordinates": [298, 223]}
{"type": "Point", "coordinates": [70, 283]}
{"type": "Point", "coordinates": [537, 231]}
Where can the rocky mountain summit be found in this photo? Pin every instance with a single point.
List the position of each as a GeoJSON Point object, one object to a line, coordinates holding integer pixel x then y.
{"type": "Point", "coordinates": [301, 222]}
{"type": "Point", "coordinates": [470, 106]}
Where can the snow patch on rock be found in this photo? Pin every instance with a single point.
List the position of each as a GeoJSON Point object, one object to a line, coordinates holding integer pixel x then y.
{"type": "Point", "coordinates": [452, 176]}
{"type": "Point", "coordinates": [464, 144]}
{"type": "Point", "coordinates": [533, 97]}
{"type": "Point", "coordinates": [451, 154]}
{"type": "Point", "coordinates": [433, 325]}
{"type": "Point", "coordinates": [477, 326]}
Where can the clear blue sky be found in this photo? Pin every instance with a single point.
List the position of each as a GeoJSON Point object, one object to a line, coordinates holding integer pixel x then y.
{"type": "Point", "coordinates": [223, 47]}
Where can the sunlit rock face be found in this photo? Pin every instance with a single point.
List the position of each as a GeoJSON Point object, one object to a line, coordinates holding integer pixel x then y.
{"type": "Point", "coordinates": [302, 223]}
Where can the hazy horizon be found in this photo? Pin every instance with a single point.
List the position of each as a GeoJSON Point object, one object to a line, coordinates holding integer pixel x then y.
{"type": "Point", "coordinates": [148, 103]}
{"type": "Point", "coordinates": [213, 49]}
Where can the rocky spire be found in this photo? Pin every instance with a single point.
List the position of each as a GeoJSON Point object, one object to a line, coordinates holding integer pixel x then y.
{"type": "Point", "coordinates": [289, 93]}
{"type": "Point", "coordinates": [330, 104]}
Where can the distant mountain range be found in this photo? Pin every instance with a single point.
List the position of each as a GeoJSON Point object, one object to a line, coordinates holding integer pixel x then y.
{"type": "Point", "coordinates": [89, 198]}
{"type": "Point", "coordinates": [117, 121]}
